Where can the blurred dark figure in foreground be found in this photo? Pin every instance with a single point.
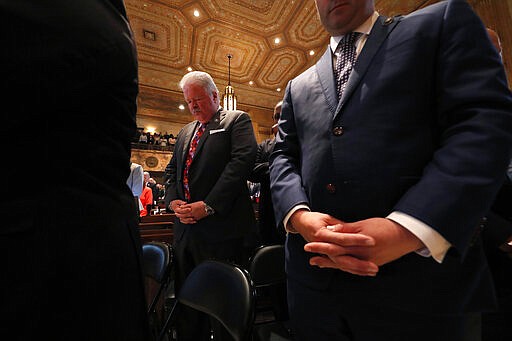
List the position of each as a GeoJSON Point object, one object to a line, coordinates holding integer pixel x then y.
{"type": "Point", "coordinates": [497, 241]}
{"type": "Point", "coordinates": [70, 251]}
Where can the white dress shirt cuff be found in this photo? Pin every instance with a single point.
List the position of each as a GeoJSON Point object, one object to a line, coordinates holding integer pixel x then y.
{"type": "Point", "coordinates": [436, 245]}
{"type": "Point", "coordinates": [288, 227]}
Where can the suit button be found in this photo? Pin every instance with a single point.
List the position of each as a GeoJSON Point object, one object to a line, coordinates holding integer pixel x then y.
{"type": "Point", "coordinates": [330, 188]}
{"type": "Point", "coordinates": [388, 20]}
{"type": "Point", "coordinates": [337, 131]}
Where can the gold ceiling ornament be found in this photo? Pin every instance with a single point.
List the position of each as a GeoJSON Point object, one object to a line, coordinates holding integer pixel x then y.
{"type": "Point", "coordinates": [229, 97]}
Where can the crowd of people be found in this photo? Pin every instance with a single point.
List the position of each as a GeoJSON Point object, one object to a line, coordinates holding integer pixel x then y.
{"type": "Point", "coordinates": [155, 139]}
{"type": "Point", "coordinates": [386, 179]}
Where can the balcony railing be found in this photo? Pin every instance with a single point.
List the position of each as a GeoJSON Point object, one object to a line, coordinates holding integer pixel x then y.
{"type": "Point", "coordinates": [147, 146]}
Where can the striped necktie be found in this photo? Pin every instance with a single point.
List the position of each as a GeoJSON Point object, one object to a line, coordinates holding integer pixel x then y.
{"type": "Point", "coordinates": [190, 156]}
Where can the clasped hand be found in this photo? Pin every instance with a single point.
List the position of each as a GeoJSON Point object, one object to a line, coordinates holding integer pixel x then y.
{"type": "Point", "coordinates": [359, 247]}
{"type": "Point", "coordinates": [188, 213]}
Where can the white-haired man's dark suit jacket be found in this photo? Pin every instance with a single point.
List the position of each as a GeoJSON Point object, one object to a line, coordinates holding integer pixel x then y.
{"type": "Point", "coordinates": [218, 174]}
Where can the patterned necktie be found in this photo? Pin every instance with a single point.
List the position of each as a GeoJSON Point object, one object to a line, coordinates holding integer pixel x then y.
{"type": "Point", "coordinates": [345, 60]}
{"type": "Point", "coordinates": [190, 156]}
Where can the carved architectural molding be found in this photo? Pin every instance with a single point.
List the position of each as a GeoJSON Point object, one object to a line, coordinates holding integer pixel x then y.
{"type": "Point", "coordinates": [151, 160]}
{"type": "Point", "coordinates": [170, 38]}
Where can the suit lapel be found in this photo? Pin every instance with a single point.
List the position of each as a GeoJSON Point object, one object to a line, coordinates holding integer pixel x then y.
{"type": "Point", "coordinates": [325, 72]}
{"type": "Point", "coordinates": [382, 27]}
{"type": "Point", "coordinates": [189, 132]}
{"type": "Point", "coordinates": [212, 125]}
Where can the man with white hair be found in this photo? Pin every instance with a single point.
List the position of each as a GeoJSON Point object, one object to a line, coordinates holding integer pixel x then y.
{"type": "Point", "coordinates": [206, 188]}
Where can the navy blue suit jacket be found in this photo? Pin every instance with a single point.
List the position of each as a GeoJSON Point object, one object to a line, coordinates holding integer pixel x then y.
{"type": "Point", "coordinates": [426, 121]}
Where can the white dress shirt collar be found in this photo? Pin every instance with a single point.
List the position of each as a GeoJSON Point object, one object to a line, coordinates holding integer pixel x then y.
{"type": "Point", "coordinates": [364, 28]}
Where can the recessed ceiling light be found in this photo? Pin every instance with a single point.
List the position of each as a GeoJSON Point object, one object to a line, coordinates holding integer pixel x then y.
{"type": "Point", "coordinates": [277, 40]}
{"type": "Point", "coordinates": [278, 89]}
{"type": "Point", "coordinates": [311, 53]}
{"type": "Point", "coordinates": [251, 83]}
{"type": "Point", "coordinates": [189, 69]}
{"type": "Point", "coordinates": [196, 13]}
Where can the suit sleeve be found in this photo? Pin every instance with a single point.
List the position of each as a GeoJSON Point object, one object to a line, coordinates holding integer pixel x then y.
{"type": "Point", "coordinates": [285, 177]}
{"type": "Point", "coordinates": [474, 111]}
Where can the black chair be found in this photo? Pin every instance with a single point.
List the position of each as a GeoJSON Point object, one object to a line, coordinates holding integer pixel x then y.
{"type": "Point", "coordinates": [222, 291]}
{"type": "Point", "coordinates": [267, 270]}
{"type": "Point", "coordinates": [157, 264]}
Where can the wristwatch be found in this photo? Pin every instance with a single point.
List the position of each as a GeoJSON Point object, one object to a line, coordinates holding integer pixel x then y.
{"type": "Point", "coordinates": [208, 209]}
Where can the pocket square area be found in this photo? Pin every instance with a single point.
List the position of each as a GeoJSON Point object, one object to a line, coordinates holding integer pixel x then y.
{"type": "Point", "coordinates": [215, 131]}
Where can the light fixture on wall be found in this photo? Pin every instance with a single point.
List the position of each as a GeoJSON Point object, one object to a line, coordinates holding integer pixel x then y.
{"type": "Point", "coordinates": [229, 97]}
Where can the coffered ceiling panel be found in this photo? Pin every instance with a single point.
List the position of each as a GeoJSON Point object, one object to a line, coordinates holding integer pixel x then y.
{"type": "Point", "coordinates": [263, 17]}
{"type": "Point", "coordinates": [305, 30]}
{"type": "Point", "coordinates": [164, 36]}
{"type": "Point", "coordinates": [271, 42]}
{"type": "Point", "coordinates": [280, 66]}
{"type": "Point", "coordinates": [396, 7]}
{"type": "Point", "coordinates": [214, 41]}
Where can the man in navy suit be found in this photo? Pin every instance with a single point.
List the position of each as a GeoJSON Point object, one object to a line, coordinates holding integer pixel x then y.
{"type": "Point", "coordinates": [214, 214]}
{"type": "Point", "coordinates": [382, 191]}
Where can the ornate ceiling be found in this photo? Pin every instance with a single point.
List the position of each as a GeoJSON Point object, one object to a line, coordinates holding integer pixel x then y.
{"type": "Point", "coordinates": [173, 35]}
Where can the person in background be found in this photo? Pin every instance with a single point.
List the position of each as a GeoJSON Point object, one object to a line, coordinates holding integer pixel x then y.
{"type": "Point", "coordinates": [161, 191]}
{"type": "Point", "coordinates": [146, 199]}
{"type": "Point", "coordinates": [147, 176]}
{"type": "Point", "coordinates": [135, 182]}
{"type": "Point", "coordinates": [143, 138]}
{"type": "Point", "coordinates": [389, 153]}
{"type": "Point", "coordinates": [267, 229]}
{"type": "Point", "coordinates": [206, 187]}
{"type": "Point", "coordinates": [137, 135]}
{"type": "Point", "coordinates": [153, 185]}
{"type": "Point", "coordinates": [71, 269]}
{"type": "Point", "coordinates": [172, 140]}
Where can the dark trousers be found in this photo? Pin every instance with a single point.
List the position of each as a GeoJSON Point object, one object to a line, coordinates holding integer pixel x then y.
{"type": "Point", "coordinates": [333, 315]}
{"type": "Point", "coordinates": [189, 252]}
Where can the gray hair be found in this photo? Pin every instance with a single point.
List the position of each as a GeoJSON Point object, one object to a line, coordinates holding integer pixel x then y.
{"type": "Point", "coordinates": [201, 78]}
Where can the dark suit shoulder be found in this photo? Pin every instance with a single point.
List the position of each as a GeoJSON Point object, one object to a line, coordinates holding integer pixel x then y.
{"type": "Point", "coordinates": [232, 114]}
